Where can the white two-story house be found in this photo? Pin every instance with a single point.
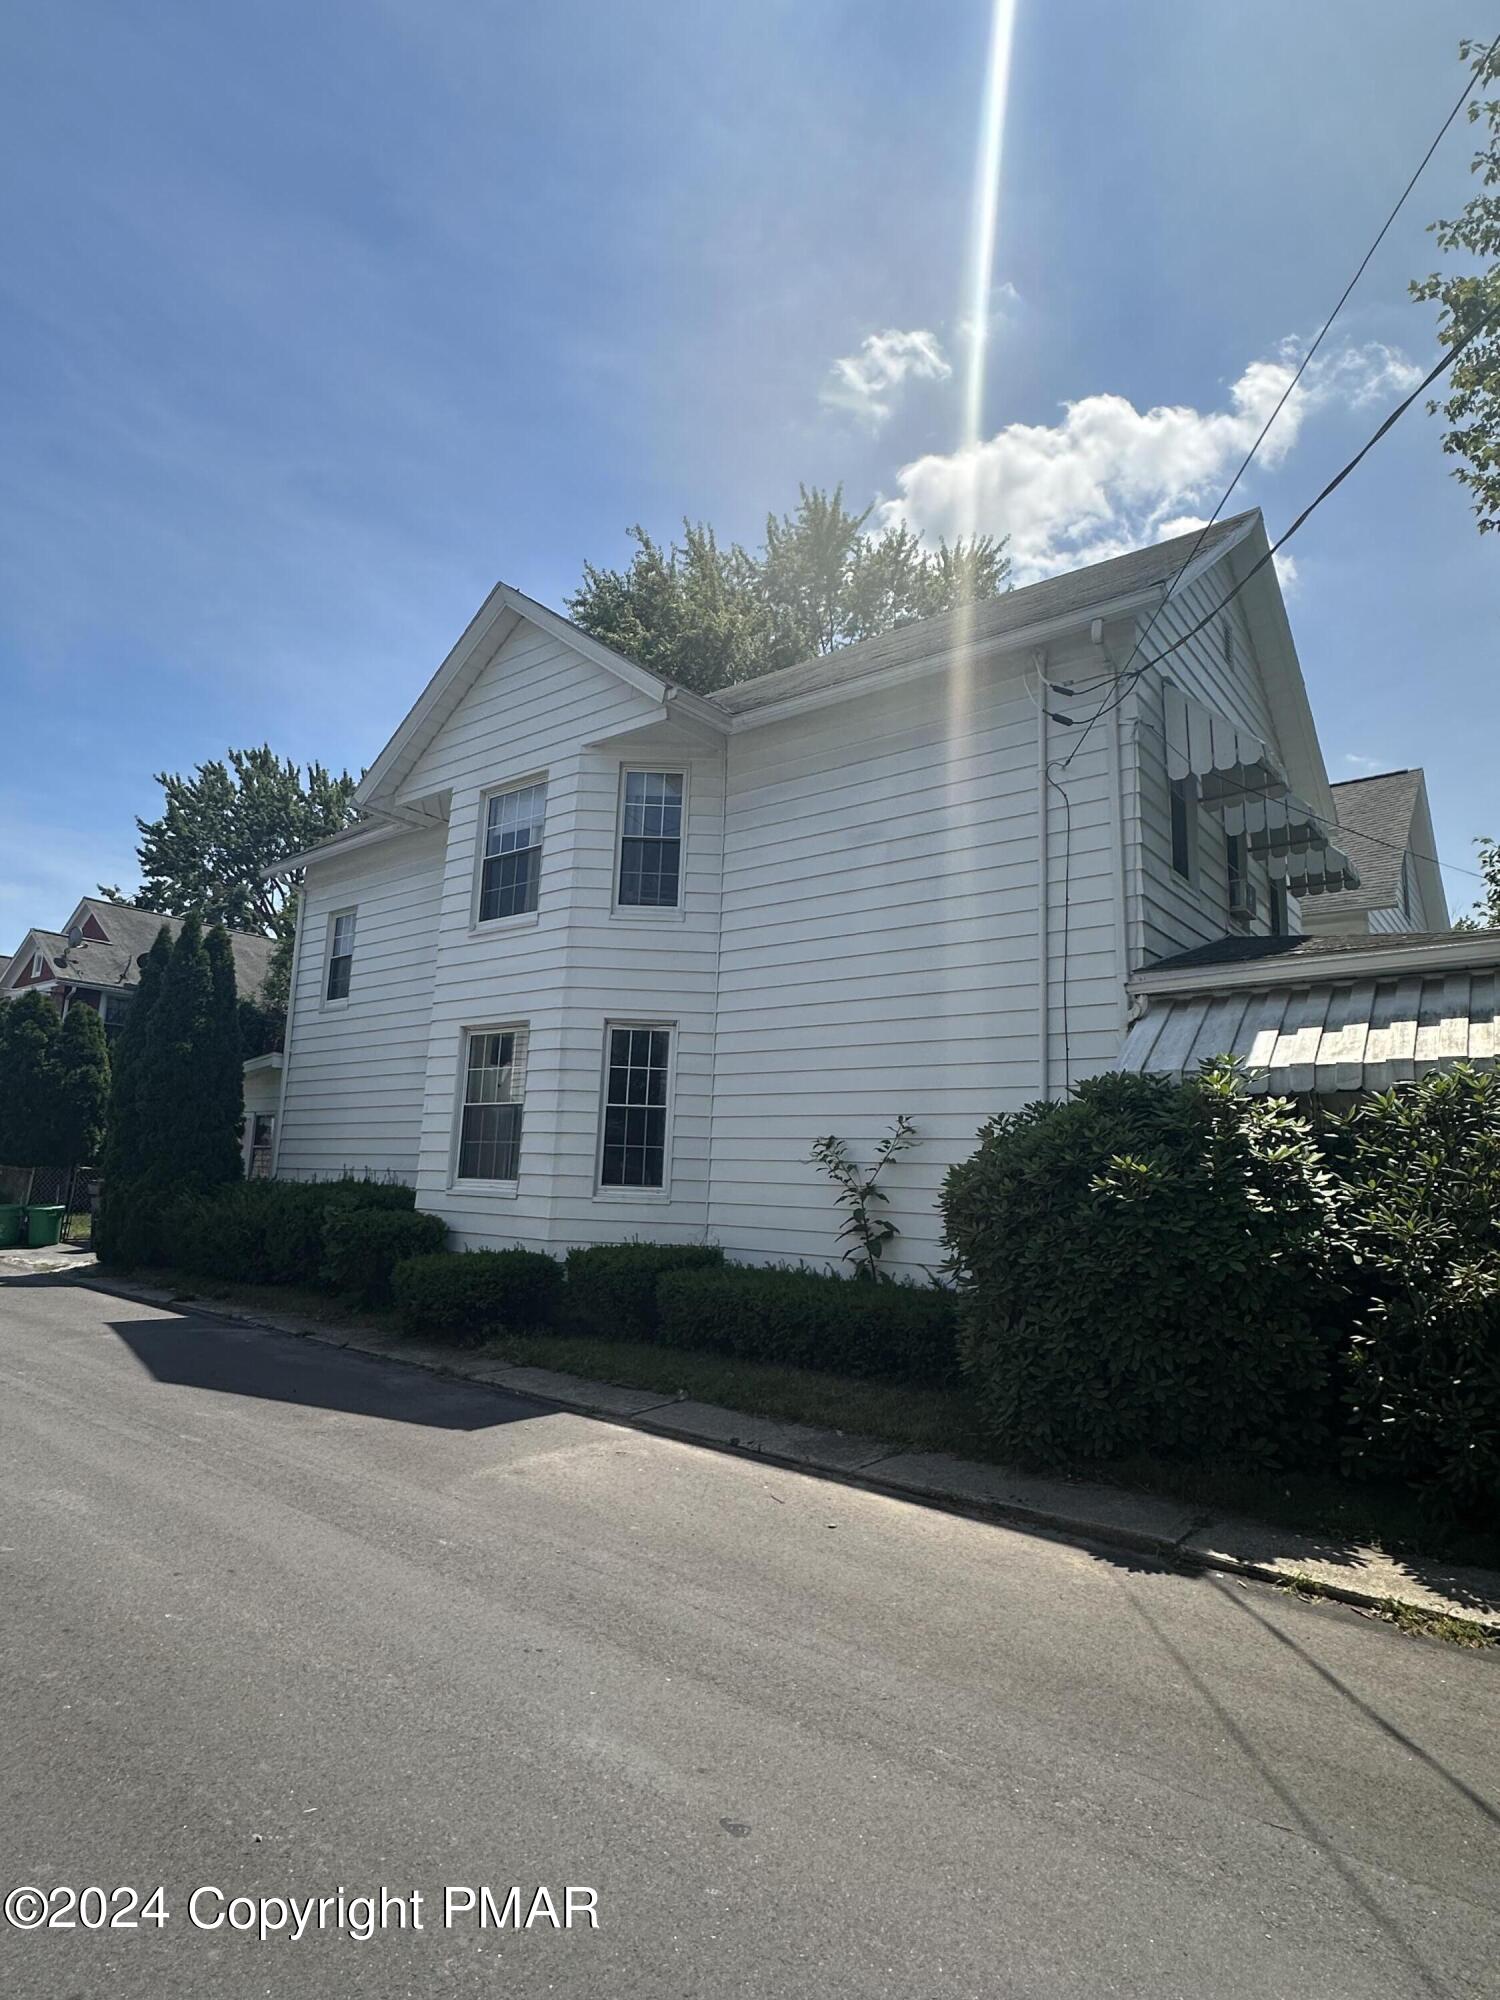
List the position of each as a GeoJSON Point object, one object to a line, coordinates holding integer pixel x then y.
{"type": "Point", "coordinates": [602, 957]}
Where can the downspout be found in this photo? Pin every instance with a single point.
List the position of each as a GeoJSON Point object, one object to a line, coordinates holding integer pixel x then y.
{"type": "Point", "coordinates": [286, 1038]}
{"type": "Point", "coordinates": [1043, 947]}
{"type": "Point", "coordinates": [1117, 809]}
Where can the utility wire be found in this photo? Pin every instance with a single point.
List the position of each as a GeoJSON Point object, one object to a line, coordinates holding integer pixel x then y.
{"type": "Point", "coordinates": [1471, 84]}
{"type": "Point", "coordinates": [1127, 677]}
{"type": "Point", "coordinates": [1374, 839]}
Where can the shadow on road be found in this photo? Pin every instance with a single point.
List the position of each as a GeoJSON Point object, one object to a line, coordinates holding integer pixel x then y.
{"type": "Point", "coordinates": [191, 1351]}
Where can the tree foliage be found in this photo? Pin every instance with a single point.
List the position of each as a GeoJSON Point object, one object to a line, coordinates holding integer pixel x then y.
{"type": "Point", "coordinates": [1485, 915]}
{"type": "Point", "coordinates": [29, 1028]}
{"type": "Point", "coordinates": [1469, 297]}
{"type": "Point", "coordinates": [177, 1104]}
{"type": "Point", "coordinates": [226, 823]}
{"type": "Point", "coordinates": [82, 1086]}
{"type": "Point", "coordinates": [706, 615]}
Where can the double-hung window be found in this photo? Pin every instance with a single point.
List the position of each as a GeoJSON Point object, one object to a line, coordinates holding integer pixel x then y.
{"type": "Point", "coordinates": [510, 871]}
{"type": "Point", "coordinates": [340, 956]}
{"type": "Point", "coordinates": [1182, 822]}
{"type": "Point", "coordinates": [634, 1151]}
{"type": "Point", "coordinates": [489, 1136]}
{"type": "Point", "coordinates": [651, 840]}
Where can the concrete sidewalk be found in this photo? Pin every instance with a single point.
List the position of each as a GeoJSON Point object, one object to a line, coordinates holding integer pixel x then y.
{"type": "Point", "coordinates": [1163, 1528]}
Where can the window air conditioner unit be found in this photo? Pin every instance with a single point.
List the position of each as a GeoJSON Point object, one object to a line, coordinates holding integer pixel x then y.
{"type": "Point", "coordinates": [1242, 900]}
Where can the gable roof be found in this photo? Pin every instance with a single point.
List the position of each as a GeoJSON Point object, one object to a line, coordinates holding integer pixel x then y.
{"type": "Point", "coordinates": [1383, 818]}
{"type": "Point", "coordinates": [487, 631]}
{"type": "Point", "coordinates": [129, 934]}
{"type": "Point", "coordinates": [1067, 599]}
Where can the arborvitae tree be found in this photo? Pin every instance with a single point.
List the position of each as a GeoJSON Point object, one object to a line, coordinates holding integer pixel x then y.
{"type": "Point", "coordinates": [122, 1236]}
{"type": "Point", "coordinates": [28, 1083]}
{"type": "Point", "coordinates": [222, 1101]}
{"type": "Point", "coordinates": [125, 1143]}
{"type": "Point", "coordinates": [171, 1074]}
{"type": "Point", "coordinates": [82, 1086]}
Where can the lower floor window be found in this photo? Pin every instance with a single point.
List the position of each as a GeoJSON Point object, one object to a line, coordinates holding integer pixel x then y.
{"type": "Point", "coordinates": [635, 1107]}
{"type": "Point", "coordinates": [489, 1140]}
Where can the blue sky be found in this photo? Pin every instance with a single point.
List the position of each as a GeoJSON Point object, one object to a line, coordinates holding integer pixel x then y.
{"type": "Point", "coordinates": [318, 320]}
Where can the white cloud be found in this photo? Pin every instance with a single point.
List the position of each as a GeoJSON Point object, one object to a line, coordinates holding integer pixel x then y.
{"type": "Point", "coordinates": [1364, 765]}
{"type": "Point", "coordinates": [1109, 477]}
{"type": "Point", "coordinates": [1004, 304]}
{"type": "Point", "coordinates": [867, 384]}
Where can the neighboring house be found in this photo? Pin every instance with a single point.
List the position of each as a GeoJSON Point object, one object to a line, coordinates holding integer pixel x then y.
{"type": "Point", "coordinates": [262, 1096]}
{"type": "Point", "coordinates": [602, 957]}
{"type": "Point", "coordinates": [1385, 824]}
{"type": "Point", "coordinates": [94, 960]}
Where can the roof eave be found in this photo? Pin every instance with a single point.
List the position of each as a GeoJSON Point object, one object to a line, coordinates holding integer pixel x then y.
{"type": "Point", "coordinates": [1466, 949]}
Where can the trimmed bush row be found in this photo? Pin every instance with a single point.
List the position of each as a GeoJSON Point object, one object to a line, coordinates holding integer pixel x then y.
{"type": "Point", "coordinates": [363, 1246]}
{"type": "Point", "coordinates": [612, 1286]}
{"type": "Point", "coordinates": [468, 1298]}
{"type": "Point", "coordinates": [268, 1232]}
{"type": "Point", "coordinates": [804, 1319]}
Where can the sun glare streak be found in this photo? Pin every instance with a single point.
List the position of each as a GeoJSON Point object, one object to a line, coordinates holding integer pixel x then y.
{"type": "Point", "coordinates": [986, 213]}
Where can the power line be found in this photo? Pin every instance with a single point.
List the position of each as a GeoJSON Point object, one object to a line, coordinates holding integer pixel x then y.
{"type": "Point", "coordinates": [1470, 85]}
{"type": "Point", "coordinates": [1375, 840]}
{"type": "Point", "coordinates": [1127, 678]}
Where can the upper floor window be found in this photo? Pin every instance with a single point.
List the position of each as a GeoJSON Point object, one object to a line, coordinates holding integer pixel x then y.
{"type": "Point", "coordinates": [340, 956]}
{"type": "Point", "coordinates": [1182, 823]}
{"type": "Point", "coordinates": [510, 872]}
{"type": "Point", "coordinates": [651, 840]}
{"type": "Point", "coordinates": [489, 1135]}
{"type": "Point", "coordinates": [1239, 897]}
{"type": "Point", "coordinates": [1277, 919]}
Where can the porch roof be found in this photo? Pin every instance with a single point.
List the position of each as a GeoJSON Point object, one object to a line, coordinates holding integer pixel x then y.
{"type": "Point", "coordinates": [1307, 1018]}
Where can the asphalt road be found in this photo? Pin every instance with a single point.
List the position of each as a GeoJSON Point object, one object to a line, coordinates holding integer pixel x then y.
{"type": "Point", "coordinates": [278, 1619]}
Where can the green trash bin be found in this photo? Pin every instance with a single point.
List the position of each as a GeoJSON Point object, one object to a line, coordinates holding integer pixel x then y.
{"type": "Point", "coordinates": [11, 1213]}
{"type": "Point", "coordinates": [43, 1226]}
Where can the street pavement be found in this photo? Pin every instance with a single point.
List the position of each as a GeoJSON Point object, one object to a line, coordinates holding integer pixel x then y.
{"type": "Point", "coordinates": [280, 1621]}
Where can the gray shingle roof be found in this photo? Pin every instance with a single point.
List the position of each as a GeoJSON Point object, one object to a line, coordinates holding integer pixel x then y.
{"type": "Point", "coordinates": [1245, 950]}
{"type": "Point", "coordinates": [1073, 595]}
{"type": "Point", "coordinates": [1375, 816]}
{"type": "Point", "coordinates": [132, 932]}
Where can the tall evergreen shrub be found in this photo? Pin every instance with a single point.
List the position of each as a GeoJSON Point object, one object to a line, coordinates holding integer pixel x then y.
{"type": "Point", "coordinates": [82, 1086]}
{"type": "Point", "coordinates": [28, 1082]}
{"type": "Point", "coordinates": [1149, 1267]}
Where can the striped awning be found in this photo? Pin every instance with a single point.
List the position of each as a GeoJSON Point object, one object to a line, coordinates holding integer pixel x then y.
{"type": "Point", "coordinates": [1366, 1035]}
{"type": "Point", "coordinates": [1210, 756]}
{"type": "Point", "coordinates": [1293, 841]}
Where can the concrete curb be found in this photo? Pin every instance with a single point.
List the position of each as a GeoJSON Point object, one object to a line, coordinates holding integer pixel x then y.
{"type": "Point", "coordinates": [1182, 1539]}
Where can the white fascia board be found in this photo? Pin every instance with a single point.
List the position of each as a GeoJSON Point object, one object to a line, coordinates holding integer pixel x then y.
{"type": "Point", "coordinates": [1422, 847]}
{"type": "Point", "coordinates": [1025, 637]}
{"type": "Point", "coordinates": [427, 708]}
{"type": "Point", "coordinates": [1465, 951]}
{"type": "Point", "coordinates": [1281, 672]}
{"type": "Point", "coordinates": [254, 1065]}
{"type": "Point", "coordinates": [342, 843]}
{"type": "Point", "coordinates": [22, 955]}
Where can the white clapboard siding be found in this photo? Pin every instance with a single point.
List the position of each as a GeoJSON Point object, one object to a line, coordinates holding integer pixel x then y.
{"type": "Point", "coordinates": [579, 965]}
{"type": "Point", "coordinates": [355, 1071]}
{"type": "Point", "coordinates": [879, 952]}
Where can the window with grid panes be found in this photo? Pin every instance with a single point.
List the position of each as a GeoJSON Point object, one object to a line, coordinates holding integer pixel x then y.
{"type": "Point", "coordinates": [635, 1108]}
{"type": "Point", "coordinates": [511, 870]}
{"type": "Point", "coordinates": [489, 1139]}
{"type": "Point", "coordinates": [651, 840]}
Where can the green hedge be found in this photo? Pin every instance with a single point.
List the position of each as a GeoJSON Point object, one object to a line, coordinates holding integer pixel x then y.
{"type": "Point", "coordinates": [363, 1246]}
{"type": "Point", "coordinates": [1422, 1168]}
{"type": "Point", "coordinates": [469, 1297]}
{"type": "Point", "coordinates": [267, 1232]}
{"type": "Point", "coordinates": [1150, 1267]}
{"type": "Point", "coordinates": [611, 1290]}
{"type": "Point", "coordinates": [848, 1326]}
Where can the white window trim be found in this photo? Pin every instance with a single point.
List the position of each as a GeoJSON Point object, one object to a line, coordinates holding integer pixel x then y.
{"type": "Point", "coordinates": [523, 919]}
{"type": "Point", "coordinates": [659, 913]}
{"type": "Point", "coordinates": [336, 1006]}
{"type": "Point", "coordinates": [633, 1196]}
{"type": "Point", "coordinates": [496, 1190]}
